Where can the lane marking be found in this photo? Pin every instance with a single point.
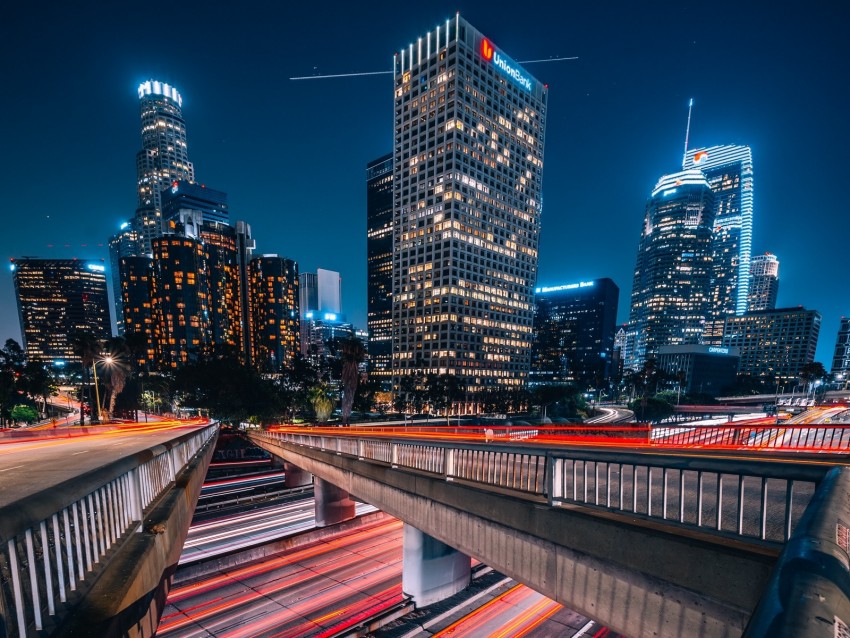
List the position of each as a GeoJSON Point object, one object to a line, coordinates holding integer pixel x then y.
{"type": "Point", "coordinates": [11, 468]}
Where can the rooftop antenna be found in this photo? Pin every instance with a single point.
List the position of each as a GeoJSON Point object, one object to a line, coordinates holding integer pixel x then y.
{"type": "Point", "coordinates": [688, 128]}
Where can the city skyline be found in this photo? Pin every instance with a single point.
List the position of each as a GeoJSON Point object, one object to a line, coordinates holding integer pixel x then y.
{"type": "Point", "coordinates": [287, 159]}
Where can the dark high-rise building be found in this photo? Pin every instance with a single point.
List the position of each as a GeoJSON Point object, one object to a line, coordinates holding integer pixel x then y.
{"type": "Point", "coordinates": [135, 275]}
{"type": "Point", "coordinates": [379, 263]}
{"type": "Point", "coordinates": [224, 283]}
{"type": "Point", "coordinates": [124, 243]}
{"type": "Point", "coordinates": [180, 299]}
{"type": "Point", "coordinates": [729, 171]}
{"type": "Point", "coordinates": [58, 298]}
{"type": "Point", "coordinates": [574, 329]}
{"type": "Point", "coordinates": [183, 195]}
{"type": "Point", "coordinates": [841, 358]}
{"type": "Point", "coordinates": [164, 157]}
{"type": "Point", "coordinates": [672, 281]}
{"type": "Point", "coordinates": [245, 246]}
{"type": "Point", "coordinates": [467, 187]}
{"type": "Point", "coordinates": [774, 344]}
{"type": "Point", "coordinates": [764, 282]}
{"type": "Point", "coordinates": [275, 337]}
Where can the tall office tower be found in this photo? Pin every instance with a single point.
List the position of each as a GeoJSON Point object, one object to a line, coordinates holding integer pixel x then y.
{"type": "Point", "coordinates": [729, 171]}
{"type": "Point", "coordinates": [774, 344]}
{"type": "Point", "coordinates": [841, 358]}
{"type": "Point", "coordinates": [245, 246]}
{"type": "Point", "coordinates": [275, 337]}
{"type": "Point", "coordinates": [379, 264]}
{"type": "Point", "coordinates": [224, 284]}
{"type": "Point", "coordinates": [317, 333]}
{"type": "Point", "coordinates": [180, 300]}
{"type": "Point", "coordinates": [135, 274]}
{"type": "Point", "coordinates": [574, 328]}
{"type": "Point", "coordinates": [164, 157]}
{"type": "Point", "coordinates": [58, 298]}
{"type": "Point", "coordinates": [320, 292]}
{"type": "Point", "coordinates": [467, 180]}
{"type": "Point", "coordinates": [672, 282]}
{"type": "Point", "coordinates": [764, 282]}
{"type": "Point", "coordinates": [183, 195]}
{"type": "Point", "coordinates": [122, 244]}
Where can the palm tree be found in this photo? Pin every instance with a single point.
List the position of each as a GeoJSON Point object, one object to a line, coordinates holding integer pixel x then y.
{"type": "Point", "coordinates": [351, 353]}
{"type": "Point", "coordinates": [117, 369]}
{"type": "Point", "coordinates": [87, 347]}
{"type": "Point", "coordinates": [322, 402]}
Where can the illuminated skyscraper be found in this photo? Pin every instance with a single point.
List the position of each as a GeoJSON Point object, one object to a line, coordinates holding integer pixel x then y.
{"type": "Point", "coordinates": [729, 171]}
{"type": "Point", "coordinates": [125, 243]}
{"type": "Point", "coordinates": [224, 284]}
{"type": "Point", "coordinates": [467, 179]}
{"type": "Point", "coordinates": [841, 357]}
{"type": "Point", "coordinates": [180, 300]}
{"type": "Point", "coordinates": [672, 281]}
{"type": "Point", "coordinates": [379, 264]}
{"type": "Point", "coordinates": [275, 337]}
{"type": "Point", "coordinates": [135, 274]}
{"type": "Point", "coordinates": [574, 332]}
{"type": "Point", "coordinates": [764, 282]}
{"type": "Point", "coordinates": [56, 299]}
{"type": "Point", "coordinates": [164, 157]}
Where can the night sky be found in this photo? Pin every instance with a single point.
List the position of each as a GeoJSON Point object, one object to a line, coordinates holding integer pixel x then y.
{"type": "Point", "coordinates": [292, 155]}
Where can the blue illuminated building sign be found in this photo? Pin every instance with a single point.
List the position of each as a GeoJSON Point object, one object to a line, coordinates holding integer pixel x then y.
{"type": "Point", "coordinates": [506, 65]}
{"type": "Point", "coordinates": [581, 284]}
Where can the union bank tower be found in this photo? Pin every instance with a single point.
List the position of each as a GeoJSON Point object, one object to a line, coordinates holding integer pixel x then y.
{"type": "Point", "coordinates": [469, 127]}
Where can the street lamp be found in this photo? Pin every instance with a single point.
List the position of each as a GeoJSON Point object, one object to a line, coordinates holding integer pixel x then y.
{"type": "Point", "coordinates": [108, 360]}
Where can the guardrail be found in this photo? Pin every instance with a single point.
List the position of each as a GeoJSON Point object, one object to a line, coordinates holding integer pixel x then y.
{"type": "Point", "coordinates": [762, 434]}
{"type": "Point", "coordinates": [756, 500]}
{"type": "Point", "coordinates": [53, 550]}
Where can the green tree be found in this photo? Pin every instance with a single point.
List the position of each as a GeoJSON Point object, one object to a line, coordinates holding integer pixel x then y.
{"type": "Point", "coordinates": [652, 409]}
{"type": "Point", "coordinates": [442, 391]}
{"type": "Point", "coordinates": [25, 413]}
{"type": "Point", "coordinates": [37, 381]}
{"type": "Point", "coordinates": [322, 402]}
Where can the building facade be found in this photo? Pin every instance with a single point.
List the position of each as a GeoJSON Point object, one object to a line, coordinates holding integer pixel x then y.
{"type": "Point", "coordinates": [136, 273]}
{"type": "Point", "coordinates": [379, 267]}
{"type": "Point", "coordinates": [672, 281]}
{"type": "Point", "coordinates": [574, 331]}
{"type": "Point", "coordinates": [702, 369]}
{"type": "Point", "coordinates": [180, 300]}
{"type": "Point", "coordinates": [275, 324]}
{"type": "Point", "coordinates": [764, 283]}
{"type": "Point", "coordinates": [58, 298]}
{"type": "Point", "coordinates": [125, 243]}
{"type": "Point", "coordinates": [164, 156]}
{"type": "Point", "coordinates": [467, 180]}
{"type": "Point", "coordinates": [774, 344]}
{"type": "Point", "coordinates": [183, 195]}
{"type": "Point", "coordinates": [841, 357]}
{"type": "Point", "coordinates": [729, 171]}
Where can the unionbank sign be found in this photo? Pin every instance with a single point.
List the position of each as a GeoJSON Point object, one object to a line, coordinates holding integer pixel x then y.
{"type": "Point", "coordinates": [507, 66]}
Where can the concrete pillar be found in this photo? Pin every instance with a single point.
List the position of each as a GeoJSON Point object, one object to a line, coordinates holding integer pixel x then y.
{"type": "Point", "coordinates": [295, 476]}
{"type": "Point", "coordinates": [333, 504]}
{"type": "Point", "coordinates": [431, 570]}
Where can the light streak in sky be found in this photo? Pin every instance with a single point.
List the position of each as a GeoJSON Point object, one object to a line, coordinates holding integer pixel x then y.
{"type": "Point", "coordinates": [360, 74]}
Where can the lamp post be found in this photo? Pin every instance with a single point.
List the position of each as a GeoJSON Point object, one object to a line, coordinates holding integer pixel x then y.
{"type": "Point", "coordinates": [108, 361]}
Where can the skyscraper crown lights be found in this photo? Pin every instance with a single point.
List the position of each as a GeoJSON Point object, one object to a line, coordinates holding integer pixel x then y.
{"type": "Point", "coordinates": [668, 183]}
{"type": "Point", "coordinates": [155, 87]}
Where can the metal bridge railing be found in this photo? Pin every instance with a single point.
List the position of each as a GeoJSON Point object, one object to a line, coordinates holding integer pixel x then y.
{"type": "Point", "coordinates": [754, 500]}
{"type": "Point", "coordinates": [52, 551]}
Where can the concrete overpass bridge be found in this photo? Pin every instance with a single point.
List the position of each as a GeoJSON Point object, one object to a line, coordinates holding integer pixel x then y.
{"type": "Point", "coordinates": [92, 522]}
{"type": "Point", "coordinates": [651, 540]}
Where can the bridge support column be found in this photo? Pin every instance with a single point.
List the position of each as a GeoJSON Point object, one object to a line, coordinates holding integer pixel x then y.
{"type": "Point", "coordinates": [431, 570]}
{"type": "Point", "coordinates": [333, 504]}
{"type": "Point", "coordinates": [295, 476]}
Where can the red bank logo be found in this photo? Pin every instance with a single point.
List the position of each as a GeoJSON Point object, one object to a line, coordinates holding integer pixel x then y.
{"type": "Point", "coordinates": [700, 157]}
{"type": "Point", "coordinates": [486, 49]}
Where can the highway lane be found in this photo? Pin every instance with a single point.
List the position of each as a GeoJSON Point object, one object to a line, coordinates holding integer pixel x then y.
{"type": "Point", "coordinates": [264, 524]}
{"type": "Point", "coordinates": [522, 612]}
{"type": "Point", "coordinates": [306, 592]}
{"type": "Point", "coordinates": [33, 464]}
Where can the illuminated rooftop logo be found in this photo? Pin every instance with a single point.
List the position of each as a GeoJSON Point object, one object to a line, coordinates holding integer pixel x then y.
{"type": "Point", "coordinates": [581, 284]}
{"type": "Point", "coordinates": [700, 157]}
{"type": "Point", "coordinates": [507, 66]}
{"type": "Point", "coordinates": [154, 87]}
